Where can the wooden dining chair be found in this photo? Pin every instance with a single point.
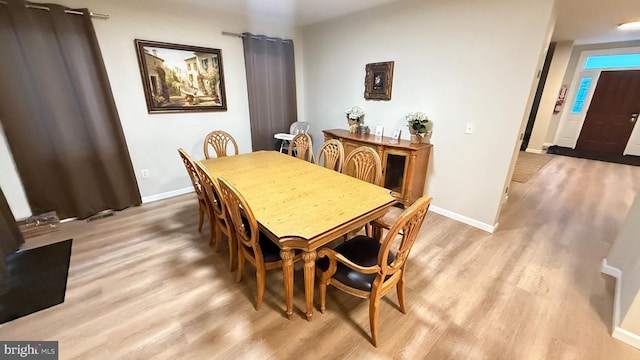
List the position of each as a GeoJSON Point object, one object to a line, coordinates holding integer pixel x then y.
{"type": "Point", "coordinates": [219, 140]}
{"type": "Point", "coordinates": [367, 267]}
{"type": "Point", "coordinates": [363, 163]}
{"type": "Point", "coordinates": [331, 155]}
{"type": "Point", "coordinates": [197, 186]}
{"type": "Point", "coordinates": [301, 145]}
{"type": "Point", "coordinates": [253, 245]}
{"type": "Point", "coordinates": [218, 218]}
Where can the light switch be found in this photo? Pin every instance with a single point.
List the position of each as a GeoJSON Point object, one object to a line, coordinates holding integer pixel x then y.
{"type": "Point", "coordinates": [469, 128]}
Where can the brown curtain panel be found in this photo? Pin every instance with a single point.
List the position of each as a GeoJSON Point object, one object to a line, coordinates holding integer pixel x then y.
{"type": "Point", "coordinates": [271, 83]}
{"type": "Point", "coordinates": [58, 113]}
{"type": "Point", "coordinates": [10, 237]}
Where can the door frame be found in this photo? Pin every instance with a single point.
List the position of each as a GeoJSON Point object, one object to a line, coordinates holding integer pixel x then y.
{"type": "Point", "coordinates": [570, 124]}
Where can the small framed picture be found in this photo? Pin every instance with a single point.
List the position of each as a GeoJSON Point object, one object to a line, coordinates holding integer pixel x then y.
{"type": "Point", "coordinates": [378, 79]}
{"type": "Point", "coordinates": [379, 130]}
{"type": "Point", "coordinates": [395, 136]}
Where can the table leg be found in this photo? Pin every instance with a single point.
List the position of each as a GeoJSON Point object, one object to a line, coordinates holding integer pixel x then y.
{"type": "Point", "coordinates": [309, 279]}
{"type": "Point", "coordinates": [287, 271]}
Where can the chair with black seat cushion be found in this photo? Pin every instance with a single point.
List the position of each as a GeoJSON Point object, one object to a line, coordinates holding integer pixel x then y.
{"type": "Point", "coordinates": [218, 218]}
{"type": "Point", "coordinates": [253, 245]}
{"type": "Point", "coordinates": [197, 186]}
{"type": "Point", "coordinates": [367, 267]}
{"type": "Point", "coordinates": [219, 140]}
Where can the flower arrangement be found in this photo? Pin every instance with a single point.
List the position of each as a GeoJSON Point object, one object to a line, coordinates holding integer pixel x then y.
{"type": "Point", "coordinates": [419, 122]}
{"type": "Point", "coordinates": [355, 113]}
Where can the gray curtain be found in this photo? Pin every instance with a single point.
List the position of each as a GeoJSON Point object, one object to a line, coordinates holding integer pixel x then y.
{"type": "Point", "coordinates": [10, 237]}
{"type": "Point", "coordinates": [58, 113]}
{"type": "Point", "coordinates": [271, 83]}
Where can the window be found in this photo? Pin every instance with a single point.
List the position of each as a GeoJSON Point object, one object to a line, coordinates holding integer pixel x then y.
{"type": "Point", "coordinates": [583, 89]}
{"type": "Point", "coordinates": [612, 61]}
{"type": "Point", "coordinates": [205, 64]}
{"type": "Point", "coordinates": [188, 66]}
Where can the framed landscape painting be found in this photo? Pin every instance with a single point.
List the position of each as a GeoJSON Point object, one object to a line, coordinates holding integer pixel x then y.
{"type": "Point", "coordinates": [181, 78]}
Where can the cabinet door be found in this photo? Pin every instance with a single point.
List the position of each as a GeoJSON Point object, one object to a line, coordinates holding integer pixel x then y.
{"type": "Point", "coordinates": [396, 164]}
{"type": "Point", "coordinates": [349, 147]}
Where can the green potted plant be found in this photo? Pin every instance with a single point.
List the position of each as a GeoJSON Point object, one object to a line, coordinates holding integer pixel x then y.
{"type": "Point", "coordinates": [420, 127]}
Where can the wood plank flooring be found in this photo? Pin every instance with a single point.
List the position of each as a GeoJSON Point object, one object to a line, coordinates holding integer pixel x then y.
{"type": "Point", "coordinates": [144, 284]}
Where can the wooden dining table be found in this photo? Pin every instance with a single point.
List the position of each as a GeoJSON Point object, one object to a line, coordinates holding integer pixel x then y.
{"type": "Point", "coordinates": [300, 205]}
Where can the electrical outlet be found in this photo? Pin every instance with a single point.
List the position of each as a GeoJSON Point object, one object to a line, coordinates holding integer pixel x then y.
{"type": "Point", "coordinates": [145, 173]}
{"type": "Point", "coordinates": [469, 128]}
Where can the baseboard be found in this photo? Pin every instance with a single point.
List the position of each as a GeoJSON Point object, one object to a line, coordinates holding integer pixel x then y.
{"type": "Point", "coordinates": [463, 219]}
{"type": "Point", "coordinates": [147, 199]}
{"type": "Point", "coordinates": [626, 337]}
{"type": "Point", "coordinates": [610, 270]}
{"type": "Point", "coordinates": [619, 333]}
{"type": "Point", "coordinates": [546, 146]}
{"type": "Point", "coordinates": [535, 151]}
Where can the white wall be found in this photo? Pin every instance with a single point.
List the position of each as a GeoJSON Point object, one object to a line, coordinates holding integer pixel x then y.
{"type": "Point", "coordinates": [561, 50]}
{"type": "Point", "coordinates": [10, 182]}
{"type": "Point", "coordinates": [153, 139]}
{"type": "Point", "coordinates": [462, 61]}
{"type": "Point", "coordinates": [624, 255]}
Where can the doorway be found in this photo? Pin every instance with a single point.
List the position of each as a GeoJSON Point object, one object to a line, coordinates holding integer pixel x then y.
{"type": "Point", "coordinates": [612, 113]}
{"type": "Point", "coordinates": [542, 80]}
{"type": "Point", "coordinates": [600, 134]}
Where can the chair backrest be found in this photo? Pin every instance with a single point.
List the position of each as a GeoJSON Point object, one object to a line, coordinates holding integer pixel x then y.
{"type": "Point", "coordinates": [302, 144]}
{"type": "Point", "coordinates": [299, 127]}
{"type": "Point", "coordinates": [333, 152]}
{"type": "Point", "coordinates": [363, 163]}
{"type": "Point", "coordinates": [219, 140]}
{"type": "Point", "coordinates": [211, 191]}
{"type": "Point", "coordinates": [405, 230]}
{"type": "Point", "coordinates": [193, 173]}
{"type": "Point", "coordinates": [243, 222]}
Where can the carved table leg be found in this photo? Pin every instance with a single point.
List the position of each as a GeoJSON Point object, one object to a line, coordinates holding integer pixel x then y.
{"type": "Point", "coordinates": [309, 277]}
{"type": "Point", "coordinates": [287, 271]}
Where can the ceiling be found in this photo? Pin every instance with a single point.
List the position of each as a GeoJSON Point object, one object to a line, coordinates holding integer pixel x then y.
{"type": "Point", "coordinates": [298, 12]}
{"type": "Point", "coordinates": [584, 21]}
{"type": "Point", "coordinates": [595, 21]}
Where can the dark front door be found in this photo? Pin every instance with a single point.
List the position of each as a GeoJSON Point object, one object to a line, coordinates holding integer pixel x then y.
{"type": "Point", "coordinates": [612, 114]}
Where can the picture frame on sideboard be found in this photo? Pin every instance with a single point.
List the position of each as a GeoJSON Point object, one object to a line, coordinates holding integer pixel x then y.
{"type": "Point", "coordinates": [395, 136]}
{"type": "Point", "coordinates": [379, 131]}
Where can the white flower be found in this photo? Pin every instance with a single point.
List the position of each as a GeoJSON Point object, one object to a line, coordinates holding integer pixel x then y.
{"type": "Point", "coordinates": [417, 116]}
{"type": "Point", "coordinates": [355, 113]}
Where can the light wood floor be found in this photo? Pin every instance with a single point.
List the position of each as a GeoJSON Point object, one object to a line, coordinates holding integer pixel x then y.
{"type": "Point", "coordinates": [143, 284]}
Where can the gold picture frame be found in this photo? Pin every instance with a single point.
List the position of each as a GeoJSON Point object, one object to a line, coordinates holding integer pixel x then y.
{"type": "Point", "coordinates": [181, 78]}
{"type": "Point", "coordinates": [378, 81]}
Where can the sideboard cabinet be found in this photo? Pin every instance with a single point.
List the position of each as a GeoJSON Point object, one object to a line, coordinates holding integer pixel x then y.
{"type": "Point", "coordinates": [404, 165]}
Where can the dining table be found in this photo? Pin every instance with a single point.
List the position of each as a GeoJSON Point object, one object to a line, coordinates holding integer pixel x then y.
{"type": "Point", "coordinates": [300, 206]}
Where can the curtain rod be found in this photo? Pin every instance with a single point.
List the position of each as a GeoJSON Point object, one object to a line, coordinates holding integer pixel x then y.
{"type": "Point", "coordinates": [232, 34]}
{"type": "Point", "coordinates": [74, 12]}
{"type": "Point", "coordinates": [253, 37]}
